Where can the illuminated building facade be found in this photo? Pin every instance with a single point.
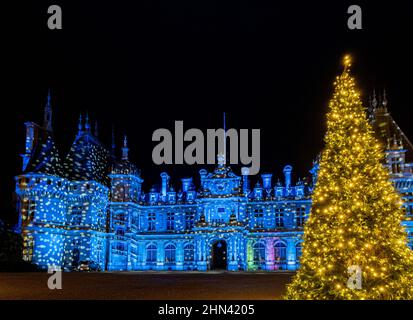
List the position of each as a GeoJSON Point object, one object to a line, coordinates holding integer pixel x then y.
{"type": "Point", "coordinates": [90, 206]}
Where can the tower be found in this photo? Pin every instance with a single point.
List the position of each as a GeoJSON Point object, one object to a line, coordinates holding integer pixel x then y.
{"type": "Point", "coordinates": [125, 184]}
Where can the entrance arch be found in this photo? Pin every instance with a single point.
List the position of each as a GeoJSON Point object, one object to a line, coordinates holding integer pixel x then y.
{"type": "Point", "coordinates": [219, 255]}
{"type": "Point", "coordinates": [75, 257]}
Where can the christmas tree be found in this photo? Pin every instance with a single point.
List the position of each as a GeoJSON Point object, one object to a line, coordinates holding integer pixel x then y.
{"type": "Point", "coordinates": [354, 245]}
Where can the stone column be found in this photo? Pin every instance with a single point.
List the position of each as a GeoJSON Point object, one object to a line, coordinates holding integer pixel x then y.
{"type": "Point", "coordinates": [160, 253]}
{"type": "Point", "coordinates": [180, 255]}
{"type": "Point", "coordinates": [141, 255]}
{"type": "Point", "coordinates": [291, 259]}
{"type": "Point", "coordinates": [201, 254]}
{"type": "Point", "coordinates": [232, 259]}
{"type": "Point", "coordinates": [269, 254]}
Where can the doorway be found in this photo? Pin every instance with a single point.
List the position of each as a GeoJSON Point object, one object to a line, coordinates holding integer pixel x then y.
{"type": "Point", "coordinates": [75, 257]}
{"type": "Point", "coordinates": [219, 255]}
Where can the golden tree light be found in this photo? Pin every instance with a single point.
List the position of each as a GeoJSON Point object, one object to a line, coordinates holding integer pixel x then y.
{"type": "Point", "coordinates": [356, 213]}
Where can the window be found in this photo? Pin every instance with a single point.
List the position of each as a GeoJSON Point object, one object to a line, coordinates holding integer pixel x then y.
{"type": "Point", "coordinates": [170, 221]}
{"type": "Point", "coordinates": [221, 210]}
{"type": "Point", "coordinates": [151, 251]}
{"type": "Point", "coordinates": [189, 220]}
{"type": "Point", "coordinates": [279, 218]}
{"type": "Point", "coordinates": [120, 232]}
{"type": "Point", "coordinates": [170, 251]}
{"type": "Point", "coordinates": [77, 215]}
{"type": "Point", "coordinates": [28, 210]}
{"type": "Point", "coordinates": [300, 216]}
{"type": "Point", "coordinates": [259, 252]}
{"type": "Point", "coordinates": [189, 253]}
{"type": "Point", "coordinates": [120, 246]}
{"type": "Point", "coordinates": [151, 221]}
{"type": "Point", "coordinates": [280, 252]}
{"type": "Point", "coordinates": [258, 218]}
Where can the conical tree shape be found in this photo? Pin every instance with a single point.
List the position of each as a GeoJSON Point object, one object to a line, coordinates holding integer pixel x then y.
{"type": "Point", "coordinates": [356, 214]}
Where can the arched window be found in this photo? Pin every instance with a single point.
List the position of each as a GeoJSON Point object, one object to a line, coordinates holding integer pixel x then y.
{"type": "Point", "coordinates": [170, 252]}
{"type": "Point", "coordinates": [280, 252]}
{"type": "Point", "coordinates": [259, 252]}
{"type": "Point", "coordinates": [151, 251]}
{"type": "Point", "coordinates": [189, 253]}
{"type": "Point", "coordinates": [298, 251]}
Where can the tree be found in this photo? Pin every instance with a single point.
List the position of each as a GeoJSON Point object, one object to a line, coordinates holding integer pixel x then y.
{"type": "Point", "coordinates": [10, 245]}
{"type": "Point", "coordinates": [355, 220]}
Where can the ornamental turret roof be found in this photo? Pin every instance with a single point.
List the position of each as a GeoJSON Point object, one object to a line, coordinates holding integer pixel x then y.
{"type": "Point", "coordinates": [44, 156]}
{"type": "Point", "coordinates": [124, 166]}
{"type": "Point", "coordinates": [88, 158]}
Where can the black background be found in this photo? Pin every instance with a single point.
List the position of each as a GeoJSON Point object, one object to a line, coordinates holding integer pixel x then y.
{"type": "Point", "coordinates": [141, 65]}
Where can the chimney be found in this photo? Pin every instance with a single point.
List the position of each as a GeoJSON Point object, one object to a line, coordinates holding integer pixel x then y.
{"type": "Point", "coordinates": [245, 173]}
{"type": "Point", "coordinates": [165, 180]}
{"type": "Point", "coordinates": [287, 173]}
{"type": "Point", "coordinates": [186, 182]}
{"type": "Point", "coordinates": [266, 180]}
{"type": "Point", "coordinates": [31, 139]}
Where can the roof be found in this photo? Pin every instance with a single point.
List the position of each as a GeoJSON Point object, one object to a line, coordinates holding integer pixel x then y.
{"type": "Point", "coordinates": [87, 159]}
{"type": "Point", "coordinates": [44, 156]}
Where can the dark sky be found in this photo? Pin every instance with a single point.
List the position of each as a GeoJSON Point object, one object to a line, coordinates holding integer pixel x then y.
{"type": "Point", "coordinates": [141, 65]}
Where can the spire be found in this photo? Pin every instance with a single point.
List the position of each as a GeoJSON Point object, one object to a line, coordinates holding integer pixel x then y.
{"type": "Point", "coordinates": [47, 120]}
{"type": "Point", "coordinates": [374, 101]}
{"type": "Point", "coordinates": [225, 138]}
{"type": "Point", "coordinates": [87, 125]}
{"type": "Point", "coordinates": [125, 149]}
{"type": "Point", "coordinates": [79, 126]}
{"type": "Point", "coordinates": [96, 129]}
{"type": "Point", "coordinates": [221, 157]}
{"type": "Point", "coordinates": [113, 140]}
{"type": "Point", "coordinates": [384, 102]}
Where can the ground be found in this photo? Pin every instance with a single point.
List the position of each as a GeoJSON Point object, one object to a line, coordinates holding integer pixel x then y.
{"type": "Point", "coordinates": [147, 285]}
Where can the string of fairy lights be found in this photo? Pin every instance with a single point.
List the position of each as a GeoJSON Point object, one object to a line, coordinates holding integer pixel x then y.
{"type": "Point", "coordinates": [356, 214]}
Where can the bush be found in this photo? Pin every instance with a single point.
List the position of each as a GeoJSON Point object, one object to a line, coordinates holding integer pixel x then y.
{"type": "Point", "coordinates": [11, 247]}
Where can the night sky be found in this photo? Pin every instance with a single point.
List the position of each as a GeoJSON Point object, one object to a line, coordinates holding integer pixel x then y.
{"type": "Point", "coordinates": [141, 65]}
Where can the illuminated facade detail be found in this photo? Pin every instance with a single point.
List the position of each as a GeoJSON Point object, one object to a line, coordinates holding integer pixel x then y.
{"type": "Point", "coordinates": [91, 206]}
{"type": "Point", "coordinates": [399, 153]}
